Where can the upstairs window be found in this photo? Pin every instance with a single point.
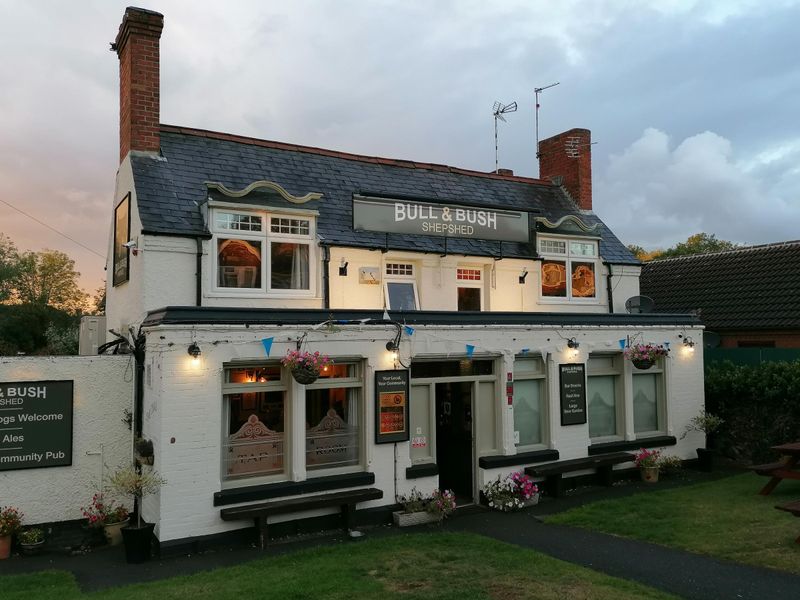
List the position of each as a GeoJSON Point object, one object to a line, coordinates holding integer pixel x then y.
{"type": "Point", "coordinates": [400, 287]}
{"type": "Point", "coordinates": [569, 269]}
{"type": "Point", "coordinates": [275, 259]}
{"type": "Point", "coordinates": [470, 288]}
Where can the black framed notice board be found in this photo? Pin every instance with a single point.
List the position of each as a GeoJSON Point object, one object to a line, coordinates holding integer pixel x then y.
{"type": "Point", "coordinates": [572, 388]}
{"type": "Point", "coordinates": [391, 407]}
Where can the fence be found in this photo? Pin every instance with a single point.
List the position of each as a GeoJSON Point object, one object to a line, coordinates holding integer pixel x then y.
{"type": "Point", "coordinates": [751, 356]}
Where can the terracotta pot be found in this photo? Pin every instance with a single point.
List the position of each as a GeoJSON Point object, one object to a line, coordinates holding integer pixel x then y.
{"type": "Point", "coordinates": [5, 546]}
{"type": "Point", "coordinates": [113, 532]}
{"type": "Point", "coordinates": [649, 474]}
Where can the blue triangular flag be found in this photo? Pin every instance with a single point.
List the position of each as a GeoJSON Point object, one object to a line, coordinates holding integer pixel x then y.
{"type": "Point", "coordinates": [267, 344]}
{"type": "Point", "coordinates": [470, 350]}
{"type": "Point", "coordinates": [526, 350]}
{"type": "Point", "coordinates": [622, 344]}
{"type": "Point", "coordinates": [409, 330]}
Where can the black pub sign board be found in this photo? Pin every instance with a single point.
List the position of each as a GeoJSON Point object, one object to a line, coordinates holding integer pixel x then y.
{"type": "Point", "coordinates": [572, 384]}
{"type": "Point", "coordinates": [35, 424]}
{"type": "Point", "coordinates": [391, 407]}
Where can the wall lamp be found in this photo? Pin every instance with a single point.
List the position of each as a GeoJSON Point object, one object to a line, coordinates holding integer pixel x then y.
{"type": "Point", "coordinates": [194, 351]}
{"type": "Point", "coordinates": [523, 275]}
{"type": "Point", "coordinates": [688, 342]}
{"type": "Point", "coordinates": [573, 344]}
{"type": "Point", "coordinates": [343, 268]}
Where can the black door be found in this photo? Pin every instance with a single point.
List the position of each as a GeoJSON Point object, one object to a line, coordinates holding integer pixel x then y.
{"type": "Point", "coordinates": [454, 438]}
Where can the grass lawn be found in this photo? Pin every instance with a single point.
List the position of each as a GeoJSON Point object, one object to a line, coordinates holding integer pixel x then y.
{"type": "Point", "coordinates": [725, 518]}
{"type": "Point", "coordinates": [454, 566]}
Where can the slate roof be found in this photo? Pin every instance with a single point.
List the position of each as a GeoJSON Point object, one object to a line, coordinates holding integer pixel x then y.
{"type": "Point", "coordinates": [171, 188]}
{"type": "Point", "coordinates": [757, 287]}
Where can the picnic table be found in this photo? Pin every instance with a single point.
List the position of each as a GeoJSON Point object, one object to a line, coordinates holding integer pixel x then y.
{"type": "Point", "coordinates": [786, 468]}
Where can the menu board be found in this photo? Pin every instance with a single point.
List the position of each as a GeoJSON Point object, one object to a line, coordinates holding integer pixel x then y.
{"type": "Point", "coordinates": [572, 384]}
{"type": "Point", "coordinates": [35, 424]}
{"type": "Point", "coordinates": [391, 406]}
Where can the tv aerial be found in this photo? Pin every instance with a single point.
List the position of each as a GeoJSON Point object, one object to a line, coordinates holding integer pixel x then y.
{"type": "Point", "coordinates": [498, 110]}
{"type": "Point", "coordinates": [637, 305]}
{"type": "Point", "coordinates": [536, 92]}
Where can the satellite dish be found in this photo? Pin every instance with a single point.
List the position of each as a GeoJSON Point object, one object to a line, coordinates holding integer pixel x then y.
{"type": "Point", "coordinates": [710, 339]}
{"type": "Point", "coordinates": [636, 305]}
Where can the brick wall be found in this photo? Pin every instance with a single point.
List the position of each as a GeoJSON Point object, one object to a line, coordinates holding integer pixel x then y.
{"type": "Point", "coordinates": [569, 155]}
{"type": "Point", "coordinates": [137, 46]}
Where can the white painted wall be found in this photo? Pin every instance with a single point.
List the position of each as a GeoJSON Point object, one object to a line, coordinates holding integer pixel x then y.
{"type": "Point", "coordinates": [103, 389]}
{"type": "Point", "coordinates": [184, 402]}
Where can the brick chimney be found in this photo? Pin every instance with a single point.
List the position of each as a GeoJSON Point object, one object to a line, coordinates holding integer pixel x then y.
{"type": "Point", "coordinates": [569, 155]}
{"type": "Point", "coordinates": [137, 46]}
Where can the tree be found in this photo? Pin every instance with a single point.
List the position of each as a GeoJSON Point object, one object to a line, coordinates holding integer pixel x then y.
{"type": "Point", "coordinates": [699, 243]}
{"type": "Point", "coordinates": [49, 278]}
{"type": "Point", "coordinates": [9, 267]}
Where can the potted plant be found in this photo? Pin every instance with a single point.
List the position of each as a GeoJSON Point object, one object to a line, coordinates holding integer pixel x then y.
{"type": "Point", "coordinates": [511, 492]}
{"type": "Point", "coordinates": [644, 356]}
{"type": "Point", "coordinates": [305, 366]}
{"type": "Point", "coordinates": [441, 504]}
{"type": "Point", "coordinates": [414, 510]}
{"type": "Point", "coordinates": [110, 516]}
{"type": "Point", "coordinates": [10, 523]}
{"type": "Point", "coordinates": [648, 462]}
{"type": "Point", "coordinates": [130, 482]}
{"type": "Point", "coordinates": [31, 541]}
{"type": "Point", "coordinates": [708, 424]}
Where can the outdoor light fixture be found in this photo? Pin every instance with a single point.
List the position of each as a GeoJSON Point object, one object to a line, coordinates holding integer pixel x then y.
{"type": "Point", "coordinates": [343, 268]}
{"type": "Point", "coordinates": [524, 275]}
{"type": "Point", "coordinates": [573, 343]}
{"type": "Point", "coordinates": [688, 342]}
{"type": "Point", "coordinates": [194, 351]}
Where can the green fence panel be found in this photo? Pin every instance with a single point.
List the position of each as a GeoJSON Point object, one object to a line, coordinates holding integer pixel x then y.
{"type": "Point", "coordinates": [751, 356]}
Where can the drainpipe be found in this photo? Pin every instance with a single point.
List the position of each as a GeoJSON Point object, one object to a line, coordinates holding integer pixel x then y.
{"type": "Point", "coordinates": [326, 263]}
{"type": "Point", "coordinates": [199, 273]}
{"type": "Point", "coordinates": [610, 290]}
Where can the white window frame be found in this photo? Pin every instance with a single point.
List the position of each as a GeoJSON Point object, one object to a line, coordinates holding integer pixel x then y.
{"type": "Point", "coordinates": [282, 385]}
{"type": "Point", "coordinates": [618, 371]}
{"type": "Point", "coordinates": [544, 399]}
{"type": "Point", "coordinates": [568, 257]}
{"type": "Point", "coordinates": [266, 238]}
{"type": "Point", "coordinates": [400, 278]}
{"type": "Point", "coordinates": [659, 369]}
{"type": "Point", "coordinates": [471, 283]}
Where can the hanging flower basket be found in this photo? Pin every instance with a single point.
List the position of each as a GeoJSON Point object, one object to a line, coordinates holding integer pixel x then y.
{"type": "Point", "coordinates": [644, 356]}
{"type": "Point", "coordinates": [305, 375]}
{"type": "Point", "coordinates": [305, 366]}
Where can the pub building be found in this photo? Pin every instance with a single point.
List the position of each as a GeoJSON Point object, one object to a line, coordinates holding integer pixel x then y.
{"type": "Point", "coordinates": [475, 321]}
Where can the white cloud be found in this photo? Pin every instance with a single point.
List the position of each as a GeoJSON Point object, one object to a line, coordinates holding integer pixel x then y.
{"type": "Point", "coordinates": [654, 194]}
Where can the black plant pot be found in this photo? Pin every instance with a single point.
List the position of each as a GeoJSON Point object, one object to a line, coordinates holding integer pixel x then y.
{"type": "Point", "coordinates": [138, 543]}
{"type": "Point", "coordinates": [705, 459]}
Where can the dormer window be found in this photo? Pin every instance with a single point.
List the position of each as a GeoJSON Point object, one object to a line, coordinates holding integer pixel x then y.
{"type": "Point", "coordinates": [274, 259]}
{"type": "Point", "coordinates": [569, 269]}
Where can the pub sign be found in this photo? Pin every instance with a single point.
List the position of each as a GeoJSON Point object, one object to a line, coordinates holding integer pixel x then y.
{"type": "Point", "coordinates": [391, 407]}
{"type": "Point", "coordinates": [572, 385]}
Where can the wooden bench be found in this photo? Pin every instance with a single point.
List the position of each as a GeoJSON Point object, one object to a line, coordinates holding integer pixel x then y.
{"type": "Point", "coordinates": [794, 508]}
{"type": "Point", "coordinates": [602, 463]}
{"type": "Point", "coordinates": [259, 512]}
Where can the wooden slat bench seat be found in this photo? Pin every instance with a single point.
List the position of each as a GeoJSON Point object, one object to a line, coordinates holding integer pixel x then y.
{"type": "Point", "coordinates": [794, 508]}
{"type": "Point", "coordinates": [768, 468]}
{"type": "Point", "coordinates": [602, 463]}
{"type": "Point", "coordinates": [346, 500]}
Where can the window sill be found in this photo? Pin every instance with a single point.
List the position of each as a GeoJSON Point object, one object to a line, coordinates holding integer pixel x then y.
{"type": "Point", "coordinates": [422, 470]}
{"type": "Point", "coordinates": [643, 442]}
{"type": "Point", "coordinates": [291, 488]}
{"type": "Point", "coordinates": [521, 458]}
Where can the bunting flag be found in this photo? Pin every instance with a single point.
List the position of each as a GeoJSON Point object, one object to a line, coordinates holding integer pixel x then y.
{"type": "Point", "coordinates": [267, 344]}
{"type": "Point", "coordinates": [525, 350]}
{"type": "Point", "coordinates": [622, 344]}
{"type": "Point", "coordinates": [409, 330]}
{"type": "Point", "coordinates": [666, 345]}
{"type": "Point", "coordinates": [470, 350]}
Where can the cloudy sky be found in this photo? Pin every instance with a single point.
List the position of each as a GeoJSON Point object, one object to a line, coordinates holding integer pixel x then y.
{"type": "Point", "coordinates": [693, 104]}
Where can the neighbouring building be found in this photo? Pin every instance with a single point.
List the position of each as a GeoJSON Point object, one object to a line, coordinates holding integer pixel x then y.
{"type": "Point", "coordinates": [747, 295]}
{"type": "Point", "coordinates": [475, 320]}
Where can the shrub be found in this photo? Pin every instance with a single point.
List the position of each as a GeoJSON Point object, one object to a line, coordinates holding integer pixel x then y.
{"type": "Point", "coordinates": [758, 404]}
